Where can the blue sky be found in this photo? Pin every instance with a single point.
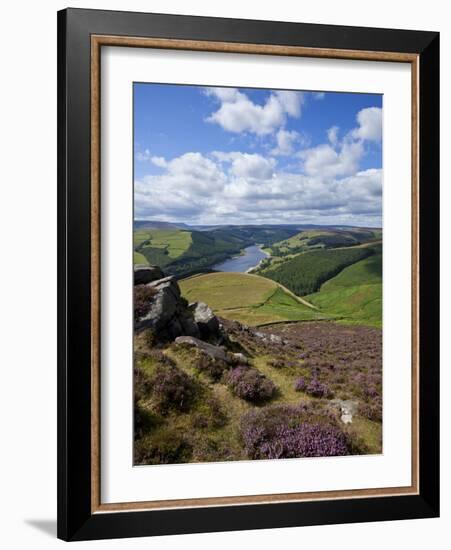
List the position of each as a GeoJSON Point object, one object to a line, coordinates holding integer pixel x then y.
{"type": "Point", "coordinates": [239, 155]}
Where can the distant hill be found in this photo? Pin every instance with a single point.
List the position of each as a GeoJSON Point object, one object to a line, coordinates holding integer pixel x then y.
{"type": "Point", "coordinates": [305, 273]}
{"type": "Point", "coordinates": [355, 294]}
{"type": "Point", "coordinates": [158, 224]}
{"type": "Point", "coordinates": [324, 237]}
{"type": "Point", "coordinates": [155, 224]}
{"type": "Point", "coordinates": [307, 261]}
{"type": "Point", "coordinates": [183, 252]}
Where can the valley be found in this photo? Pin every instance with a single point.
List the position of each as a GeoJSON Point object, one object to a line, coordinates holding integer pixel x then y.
{"type": "Point", "coordinates": [336, 270]}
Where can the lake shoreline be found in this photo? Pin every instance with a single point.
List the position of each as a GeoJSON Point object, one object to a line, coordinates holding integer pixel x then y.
{"type": "Point", "coordinates": [251, 269]}
{"type": "Point", "coordinates": [248, 259]}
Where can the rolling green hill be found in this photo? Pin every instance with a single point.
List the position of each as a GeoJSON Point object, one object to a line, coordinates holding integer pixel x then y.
{"type": "Point", "coordinates": [355, 294]}
{"type": "Point", "coordinates": [305, 241]}
{"type": "Point", "coordinates": [250, 299]}
{"type": "Point", "coordinates": [338, 270]}
{"type": "Point", "coordinates": [305, 273]}
{"type": "Point", "coordinates": [160, 246]}
{"type": "Point", "coordinates": [182, 252]}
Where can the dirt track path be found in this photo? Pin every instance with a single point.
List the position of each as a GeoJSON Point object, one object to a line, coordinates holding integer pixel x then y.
{"type": "Point", "coordinates": [288, 291]}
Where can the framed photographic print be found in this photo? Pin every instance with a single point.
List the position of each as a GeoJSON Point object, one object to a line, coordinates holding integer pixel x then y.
{"type": "Point", "coordinates": [248, 274]}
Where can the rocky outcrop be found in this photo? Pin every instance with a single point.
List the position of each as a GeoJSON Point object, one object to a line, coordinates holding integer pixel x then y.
{"type": "Point", "coordinates": [166, 313]}
{"type": "Point", "coordinates": [215, 352]}
{"type": "Point", "coordinates": [218, 353]}
{"type": "Point", "coordinates": [144, 274]}
{"type": "Point", "coordinates": [348, 409]}
{"type": "Point", "coordinates": [164, 308]}
{"type": "Point", "coordinates": [270, 338]}
{"type": "Point", "coordinates": [205, 319]}
{"type": "Point", "coordinates": [239, 359]}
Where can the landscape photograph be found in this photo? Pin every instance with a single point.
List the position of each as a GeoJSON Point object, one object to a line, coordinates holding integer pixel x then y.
{"type": "Point", "coordinates": [257, 260]}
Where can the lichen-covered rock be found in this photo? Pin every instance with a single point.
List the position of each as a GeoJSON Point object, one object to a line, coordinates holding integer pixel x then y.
{"type": "Point", "coordinates": [166, 283]}
{"type": "Point", "coordinates": [239, 359]}
{"type": "Point", "coordinates": [348, 409]}
{"type": "Point", "coordinates": [214, 352]}
{"type": "Point", "coordinates": [205, 319]}
{"type": "Point", "coordinates": [144, 274]}
{"type": "Point", "coordinates": [275, 339]}
{"type": "Point", "coordinates": [160, 307]}
{"type": "Point", "coordinates": [163, 308]}
{"type": "Point", "coordinates": [189, 326]}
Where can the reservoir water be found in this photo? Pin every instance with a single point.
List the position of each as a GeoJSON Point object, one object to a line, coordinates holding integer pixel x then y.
{"type": "Point", "coordinates": [251, 257]}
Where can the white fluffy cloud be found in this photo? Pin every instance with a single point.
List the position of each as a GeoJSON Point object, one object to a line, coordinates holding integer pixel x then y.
{"type": "Point", "coordinates": [187, 187]}
{"type": "Point", "coordinates": [226, 95]}
{"type": "Point", "coordinates": [327, 186]}
{"type": "Point", "coordinates": [286, 140]}
{"type": "Point", "coordinates": [143, 156]}
{"type": "Point", "coordinates": [332, 135]}
{"type": "Point", "coordinates": [325, 161]}
{"type": "Point", "coordinates": [237, 113]}
{"type": "Point", "coordinates": [341, 158]}
{"type": "Point", "coordinates": [236, 187]}
{"type": "Point", "coordinates": [370, 124]}
{"type": "Point", "coordinates": [291, 102]}
{"type": "Point", "coordinates": [158, 161]}
{"type": "Point", "coordinates": [246, 165]}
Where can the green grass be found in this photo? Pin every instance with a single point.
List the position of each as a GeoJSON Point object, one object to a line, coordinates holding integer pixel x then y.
{"type": "Point", "coordinates": [365, 272]}
{"type": "Point", "coordinates": [246, 298]}
{"type": "Point", "coordinates": [212, 442]}
{"type": "Point", "coordinates": [139, 259]}
{"type": "Point", "coordinates": [305, 273]}
{"type": "Point", "coordinates": [175, 241]}
{"type": "Point", "coordinates": [322, 238]}
{"type": "Point", "coordinates": [355, 294]}
{"type": "Point", "coordinates": [161, 246]}
{"type": "Point", "coordinates": [279, 307]}
{"type": "Point", "coordinates": [180, 252]}
{"type": "Point", "coordinates": [224, 441]}
{"type": "Point", "coordinates": [360, 305]}
{"type": "Point", "coordinates": [298, 242]}
{"type": "Point", "coordinates": [227, 290]}
{"type": "Point", "coordinates": [284, 380]}
{"type": "Point", "coordinates": [369, 431]}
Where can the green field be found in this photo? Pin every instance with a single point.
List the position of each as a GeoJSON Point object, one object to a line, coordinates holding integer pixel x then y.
{"type": "Point", "coordinates": [250, 299]}
{"type": "Point", "coordinates": [295, 244]}
{"type": "Point", "coordinates": [139, 259]}
{"type": "Point", "coordinates": [355, 294]}
{"type": "Point", "coordinates": [314, 239]}
{"type": "Point", "coordinates": [305, 273]}
{"type": "Point", "coordinates": [181, 252]}
{"type": "Point", "coordinates": [160, 246]}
